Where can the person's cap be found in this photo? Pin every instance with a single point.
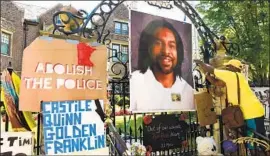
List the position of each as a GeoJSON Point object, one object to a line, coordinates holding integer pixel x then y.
{"type": "Point", "coordinates": [235, 63]}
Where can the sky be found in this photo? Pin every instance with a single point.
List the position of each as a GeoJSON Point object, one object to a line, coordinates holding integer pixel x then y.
{"type": "Point", "coordinates": [85, 5]}
{"type": "Point", "coordinates": [88, 6]}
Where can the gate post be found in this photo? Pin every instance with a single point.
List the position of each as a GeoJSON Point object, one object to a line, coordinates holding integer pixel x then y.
{"type": "Point", "coordinates": [220, 102]}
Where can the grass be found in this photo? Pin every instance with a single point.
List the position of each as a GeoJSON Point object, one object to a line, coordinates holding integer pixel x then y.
{"type": "Point", "coordinates": [119, 123]}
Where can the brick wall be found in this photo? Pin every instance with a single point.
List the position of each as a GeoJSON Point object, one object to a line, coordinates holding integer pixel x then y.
{"type": "Point", "coordinates": [11, 20]}
{"type": "Point", "coordinates": [45, 18]}
{"type": "Point", "coordinates": [121, 13]}
{"type": "Point", "coordinates": [31, 34]}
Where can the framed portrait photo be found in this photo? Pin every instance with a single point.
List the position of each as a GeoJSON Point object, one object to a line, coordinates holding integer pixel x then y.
{"type": "Point", "coordinates": [160, 64]}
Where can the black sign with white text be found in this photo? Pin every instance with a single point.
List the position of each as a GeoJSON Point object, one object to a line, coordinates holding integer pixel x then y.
{"type": "Point", "coordinates": [164, 132]}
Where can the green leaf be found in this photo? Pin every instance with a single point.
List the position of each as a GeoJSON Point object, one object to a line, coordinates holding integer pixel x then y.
{"type": "Point", "coordinates": [246, 23]}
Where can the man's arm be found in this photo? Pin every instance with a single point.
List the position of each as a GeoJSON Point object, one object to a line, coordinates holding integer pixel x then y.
{"type": "Point", "coordinates": [215, 81]}
{"type": "Point", "coordinates": [209, 69]}
{"type": "Point", "coordinates": [205, 67]}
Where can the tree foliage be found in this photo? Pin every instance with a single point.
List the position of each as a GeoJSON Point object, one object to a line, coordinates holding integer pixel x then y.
{"type": "Point", "coordinates": [245, 22]}
{"type": "Point", "coordinates": [119, 100]}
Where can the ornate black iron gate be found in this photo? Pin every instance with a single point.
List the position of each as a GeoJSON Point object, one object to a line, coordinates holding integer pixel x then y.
{"type": "Point", "coordinates": [131, 130]}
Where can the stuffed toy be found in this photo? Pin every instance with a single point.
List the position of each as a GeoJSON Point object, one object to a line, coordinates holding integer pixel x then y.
{"type": "Point", "coordinates": [207, 146]}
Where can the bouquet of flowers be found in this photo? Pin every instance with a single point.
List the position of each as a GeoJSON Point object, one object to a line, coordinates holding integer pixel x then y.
{"type": "Point", "coordinates": [136, 149]}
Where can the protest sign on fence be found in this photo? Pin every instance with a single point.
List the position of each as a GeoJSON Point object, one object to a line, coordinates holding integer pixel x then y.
{"type": "Point", "coordinates": [16, 143]}
{"type": "Point", "coordinates": [57, 70]}
{"type": "Point", "coordinates": [72, 127]}
{"type": "Point", "coordinates": [163, 132]}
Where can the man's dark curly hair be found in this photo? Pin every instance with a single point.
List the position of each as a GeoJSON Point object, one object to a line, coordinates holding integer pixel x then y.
{"type": "Point", "coordinates": [146, 40]}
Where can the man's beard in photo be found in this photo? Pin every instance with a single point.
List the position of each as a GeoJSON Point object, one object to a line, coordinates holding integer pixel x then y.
{"type": "Point", "coordinates": [156, 64]}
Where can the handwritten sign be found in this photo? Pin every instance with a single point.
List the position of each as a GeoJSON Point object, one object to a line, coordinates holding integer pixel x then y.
{"type": "Point", "coordinates": [163, 132]}
{"type": "Point", "coordinates": [205, 110]}
{"type": "Point", "coordinates": [72, 126]}
{"type": "Point", "coordinates": [61, 70]}
{"type": "Point", "coordinates": [16, 143]}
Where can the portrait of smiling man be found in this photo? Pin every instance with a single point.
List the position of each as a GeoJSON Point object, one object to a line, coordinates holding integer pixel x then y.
{"type": "Point", "coordinates": [157, 83]}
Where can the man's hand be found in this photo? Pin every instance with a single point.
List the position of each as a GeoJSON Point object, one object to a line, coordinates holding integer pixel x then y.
{"type": "Point", "coordinates": [205, 67]}
{"type": "Point", "coordinates": [198, 62]}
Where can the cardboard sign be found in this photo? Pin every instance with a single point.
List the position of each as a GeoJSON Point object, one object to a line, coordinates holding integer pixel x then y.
{"type": "Point", "coordinates": [17, 143]}
{"type": "Point", "coordinates": [205, 109]}
{"type": "Point", "coordinates": [56, 70]}
{"type": "Point", "coordinates": [72, 127]}
{"type": "Point", "coordinates": [164, 132]}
